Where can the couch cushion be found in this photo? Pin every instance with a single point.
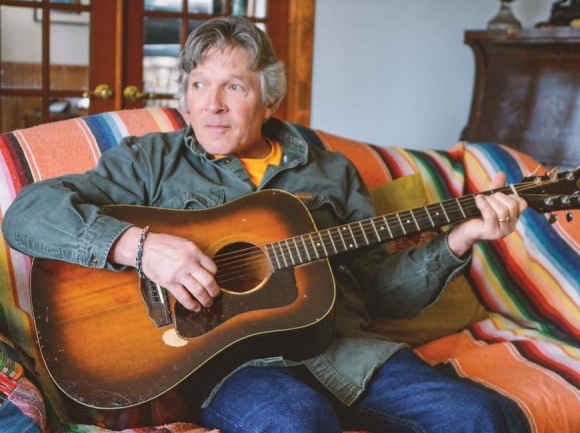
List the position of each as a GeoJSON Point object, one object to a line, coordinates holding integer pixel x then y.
{"type": "Point", "coordinates": [21, 403]}
{"type": "Point", "coordinates": [457, 308]}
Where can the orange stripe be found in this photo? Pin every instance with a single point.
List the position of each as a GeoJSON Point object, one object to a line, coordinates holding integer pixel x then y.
{"type": "Point", "coordinates": [55, 149]}
{"type": "Point", "coordinates": [138, 122]}
{"type": "Point", "coordinates": [143, 121]}
{"type": "Point", "coordinates": [499, 366]}
{"type": "Point", "coordinates": [370, 166]}
{"type": "Point", "coordinates": [450, 346]}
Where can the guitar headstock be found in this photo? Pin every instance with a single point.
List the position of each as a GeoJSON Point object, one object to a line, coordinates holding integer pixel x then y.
{"type": "Point", "coordinates": [551, 192]}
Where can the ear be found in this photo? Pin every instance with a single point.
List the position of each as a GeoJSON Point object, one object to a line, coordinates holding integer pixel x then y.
{"type": "Point", "coordinates": [267, 114]}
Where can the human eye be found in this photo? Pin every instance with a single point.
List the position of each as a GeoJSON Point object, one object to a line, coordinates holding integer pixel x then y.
{"type": "Point", "coordinates": [197, 85]}
{"type": "Point", "coordinates": [236, 87]}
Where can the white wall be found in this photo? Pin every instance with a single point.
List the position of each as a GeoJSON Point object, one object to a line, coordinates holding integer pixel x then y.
{"type": "Point", "coordinates": [396, 72]}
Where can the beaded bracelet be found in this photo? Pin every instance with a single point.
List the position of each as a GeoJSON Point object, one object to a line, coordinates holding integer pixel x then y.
{"type": "Point", "coordinates": [138, 267]}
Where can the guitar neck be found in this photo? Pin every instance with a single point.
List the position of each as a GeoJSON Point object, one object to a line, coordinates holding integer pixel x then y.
{"type": "Point", "coordinates": [353, 236]}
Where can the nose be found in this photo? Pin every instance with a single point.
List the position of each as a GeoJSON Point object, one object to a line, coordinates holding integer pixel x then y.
{"type": "Point", "coordinates": [216, 101]}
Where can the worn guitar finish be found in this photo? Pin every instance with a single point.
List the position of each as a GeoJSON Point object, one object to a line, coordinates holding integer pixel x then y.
{"type": "Point", "coordinates": [96, 336]}
{"type": "Point", "coordinates": [111, 340]}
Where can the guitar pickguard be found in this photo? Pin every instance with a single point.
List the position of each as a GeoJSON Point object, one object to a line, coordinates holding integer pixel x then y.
{"type": "Point", "coordinates": [279, 291]}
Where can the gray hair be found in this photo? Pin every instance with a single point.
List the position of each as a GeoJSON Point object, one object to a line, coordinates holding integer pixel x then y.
{"type": "Point", "coordinates": [233, 32]}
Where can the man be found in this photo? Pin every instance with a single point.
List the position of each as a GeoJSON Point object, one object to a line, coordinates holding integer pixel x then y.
{"type": "Point", "coordinates": [231, 84]}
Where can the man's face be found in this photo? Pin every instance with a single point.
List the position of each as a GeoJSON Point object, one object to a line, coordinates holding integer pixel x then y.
{"type": "Point", "coordinates": [225, 104]}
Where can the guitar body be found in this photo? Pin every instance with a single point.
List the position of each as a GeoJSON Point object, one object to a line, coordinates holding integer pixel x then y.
{"type": "Point", "coordinates": [95, 330]}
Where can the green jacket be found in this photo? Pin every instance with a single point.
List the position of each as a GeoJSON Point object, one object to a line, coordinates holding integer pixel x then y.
{"type": "Point", "coordinates": [63, 221]}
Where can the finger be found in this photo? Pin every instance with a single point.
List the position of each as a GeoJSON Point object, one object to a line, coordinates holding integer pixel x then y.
{"type": "Point", "coordinates": [203, 272]}
{"type": "Point", "coordinates": [488, 215]}
{"type": "Point", "coordinates": [498, 180]}
{"type": "Point", "coordinates": [492, 208]}
{"type": "Point", "coordinates": [506, 206]}
{"type": "Point", "coordinates": [208, 281]}
{"type": "Point", "coordinates": [208, 264]}
{"type": "Point", "coordinates": [515, 205]}
{"type": "Point", "coordinates": [184, 297]}
{"type": "Point", "coordinates": [198, 290]}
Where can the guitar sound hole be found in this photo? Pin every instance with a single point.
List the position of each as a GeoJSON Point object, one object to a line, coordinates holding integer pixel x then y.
{"type": "Point", "coordinates": [242, 267]}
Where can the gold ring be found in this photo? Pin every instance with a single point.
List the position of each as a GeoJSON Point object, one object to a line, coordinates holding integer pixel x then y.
{"type": "Point", "coordinates": [504, 220]}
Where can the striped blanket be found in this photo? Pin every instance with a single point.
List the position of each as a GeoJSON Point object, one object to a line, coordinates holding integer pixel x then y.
{"type": "Point", "coordinates": [525, 350]}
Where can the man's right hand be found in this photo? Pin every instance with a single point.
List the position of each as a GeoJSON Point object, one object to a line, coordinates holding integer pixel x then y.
{"type": "Point", "coordinates": [174, 263]}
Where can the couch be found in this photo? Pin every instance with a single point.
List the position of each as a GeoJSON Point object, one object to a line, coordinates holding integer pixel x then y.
{"type": "Point", "coordinates": [510, 324]}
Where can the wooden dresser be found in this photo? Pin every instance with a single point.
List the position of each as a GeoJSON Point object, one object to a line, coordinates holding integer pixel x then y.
{"type": "Point", "coordinates": [527, 92]}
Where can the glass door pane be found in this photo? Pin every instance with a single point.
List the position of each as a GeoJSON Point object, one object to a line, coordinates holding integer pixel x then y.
{"type": "Point", "coordinates": [162, 37]}
{"type": "Point", "coordinates": [69, 50]}
{"type": "Point", "coordinates": [163, 5]}
{"type": "Point", "coordinates": [210, 7]}
{"type": "Point", "coordinates": [250, 8]}
{"type": "Point", "coordinates": [21, 49]}
{"type": "Point", "coordinates": [43, 80]}
{"type": "Point", "coordinates": [164, 34]}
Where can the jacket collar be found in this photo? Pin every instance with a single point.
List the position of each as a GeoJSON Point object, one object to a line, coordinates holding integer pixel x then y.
{"type": "Point", "coordinates": [295, 147]}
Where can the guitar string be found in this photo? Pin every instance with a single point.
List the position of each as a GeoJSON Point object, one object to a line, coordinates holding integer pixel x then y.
{"type": "Point", "coordinates": [360, 235]}
{"type": "Point", "coordinates": [392, 217]}
{"type": "Point", "coordinates": [255, 258]}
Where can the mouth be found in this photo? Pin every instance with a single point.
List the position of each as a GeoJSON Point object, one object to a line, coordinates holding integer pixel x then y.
{"type": "Point", "coordinates": [216, 126]}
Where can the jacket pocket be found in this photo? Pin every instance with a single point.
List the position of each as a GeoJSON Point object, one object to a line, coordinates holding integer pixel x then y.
{"type": "Point", "coordinates": [194, 200]}
{"type": "Point", "coordinates": [326, 210]}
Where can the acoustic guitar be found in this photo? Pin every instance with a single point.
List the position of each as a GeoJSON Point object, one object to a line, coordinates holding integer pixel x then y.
{"type": "Point", "coordinates": [113, 340]}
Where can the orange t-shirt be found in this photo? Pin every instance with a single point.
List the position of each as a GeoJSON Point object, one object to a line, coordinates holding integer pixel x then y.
{"type": "Point", "coordinates": [256, 167]}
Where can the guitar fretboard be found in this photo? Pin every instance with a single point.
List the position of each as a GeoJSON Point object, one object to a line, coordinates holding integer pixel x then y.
{"type": "Point", "coordinates": [349, 237]}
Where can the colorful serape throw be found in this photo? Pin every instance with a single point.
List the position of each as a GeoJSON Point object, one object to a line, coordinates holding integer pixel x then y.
{"type": "Point", "coordinates": [168, 428]}
{"type": "Point", "coordinates": [527, 351]}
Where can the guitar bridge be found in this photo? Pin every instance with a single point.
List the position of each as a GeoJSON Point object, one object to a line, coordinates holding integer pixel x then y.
{"type": "Point", "coordinates": [157, 302]}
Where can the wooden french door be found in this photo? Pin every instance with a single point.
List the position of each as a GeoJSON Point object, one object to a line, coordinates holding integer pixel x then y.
{"type": "Point", "coordinates": [67, 58]}
{"type": "Point", "coordinates": [54, 55]}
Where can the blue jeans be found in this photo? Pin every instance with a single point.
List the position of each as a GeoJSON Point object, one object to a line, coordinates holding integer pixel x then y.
{"type": "Point", "coordinates": [404, 395]}
{"type": "Point", "coordinates": [12, 420]}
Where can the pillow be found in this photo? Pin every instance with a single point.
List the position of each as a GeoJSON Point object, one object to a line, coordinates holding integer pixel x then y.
{"type": "Point", "coordinates": [21, 403]}
{"type": "Point", "coordinates": [457, 308]}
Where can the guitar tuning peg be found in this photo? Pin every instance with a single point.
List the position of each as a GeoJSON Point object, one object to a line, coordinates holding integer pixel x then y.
{"type": "Point", "coordinates": [553, 218]}
{"type": "Point", "coordinates": [533, 176]}
{"type": "Point", "coordinates": [553, 174]}
{"type": "Point", "coordinates": [571, 175]}
{"type": "Point", "coordinates": [569, 216]}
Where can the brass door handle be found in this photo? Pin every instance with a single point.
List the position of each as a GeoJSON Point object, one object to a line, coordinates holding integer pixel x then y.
{"type": "Point", "coordinates": [132, 94]}
{"type": "Point", "coordinates": [102, 92]}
